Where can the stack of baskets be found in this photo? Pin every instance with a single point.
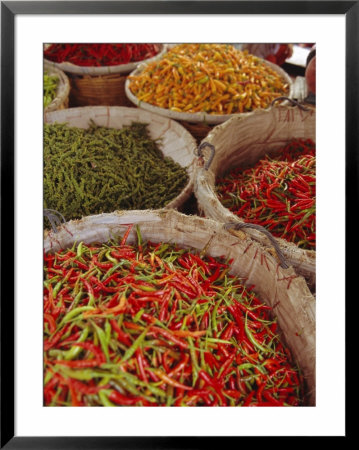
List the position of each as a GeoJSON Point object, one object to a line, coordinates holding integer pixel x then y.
{"type": "Point", "coordinates": [104, 85]}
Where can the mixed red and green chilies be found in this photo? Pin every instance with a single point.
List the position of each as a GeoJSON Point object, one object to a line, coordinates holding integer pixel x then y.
{"type": "Point", "coordinates": [152, 324]}
{"type": "Point", "coordinates": [98, 55]}
{"type": "Point", "coordinates": [278, 193]}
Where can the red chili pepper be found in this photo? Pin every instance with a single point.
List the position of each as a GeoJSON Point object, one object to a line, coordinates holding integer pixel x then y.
{"type": "Point", "coordinates": [123, 400]}
{"type": "Point", "coordinates": [164, 307]}
{"type": "Point", "coordinates": [51, 321]}
{"type": "Point", "coordinates": [208, 380]}
{"type": "Point", "coordinates": [121, 335]}
{"type": "Point", "coordinates": [170, 380]}
{"type": "Point", "coordinates": [86, 389]}
{"type": "Point", "coordinates": [169, 336]}
{"type": "Point", "coordinates": [49, 343]}
{"type": "Point", "coordinates": [271, 399]}
{"type": "Point", "coordinates": [100, 54]}
{"type": "Point", "coordinates": [100, 357]}
{"type": "Point", "coordinates": [79, 364]}
{"type": "Point", "coordinates": [81, 265]}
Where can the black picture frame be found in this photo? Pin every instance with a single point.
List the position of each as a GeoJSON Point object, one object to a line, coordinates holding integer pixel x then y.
{"type": "Point", "coordinates": [9, 9]}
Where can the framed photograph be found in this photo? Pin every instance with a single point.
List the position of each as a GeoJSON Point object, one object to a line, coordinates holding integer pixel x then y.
{"type": "Point", "coordinates": [325, 30]}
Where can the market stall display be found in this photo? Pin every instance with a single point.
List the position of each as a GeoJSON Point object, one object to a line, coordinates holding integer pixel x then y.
{"type": "Point", "coordinates": [157, 316]}
{"type": "Point", "coordinates": [98, 72]}
{"type": "Point", "coordinates": [99, 159]}
{"type": "Point", "coordinates": [150, 299]}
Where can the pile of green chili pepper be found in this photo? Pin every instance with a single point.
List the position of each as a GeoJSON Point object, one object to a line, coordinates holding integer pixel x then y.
{"type": "Point", "coordinates": [277, 193]}
{"type": "Point", "coordinates": [156, 325]}
{"type": "Point", "coordinates": [99, 170]}
{"type": "Point", "coordinates": [50, 88]}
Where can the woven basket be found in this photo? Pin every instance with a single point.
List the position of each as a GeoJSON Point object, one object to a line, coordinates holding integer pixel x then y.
{"type": "Point", "coordinates": [61, 101]}
{"type": "Point", "coordinates": [107, 90]}
{"type": "Point", "coordinates": [244, 141]}
{"type": "Point", "coordinates": [295, 305]}
{"type": "Point", "coordinates": [176, 142]}
{"type": "Point", "coordinates": [99, 85]}
{"type": "Point", "coordinates": [199, 124]}
{"type": "Point", "coordinates": [199, 131]}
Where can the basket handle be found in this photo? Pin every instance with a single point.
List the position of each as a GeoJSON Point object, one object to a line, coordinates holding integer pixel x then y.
{"type": "Point", "coordinates": [198, 152]}
{"type": "Point", "coordinates": [292, 101]}
{"type": "Point", "coordinates": [54, 217]}
{"type": "Point", "coordinates": [239, 225]}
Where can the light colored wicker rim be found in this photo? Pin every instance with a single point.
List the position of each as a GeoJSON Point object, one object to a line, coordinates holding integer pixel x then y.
{"type": "Point", "coordinates": [63, 88]}
{"type": "Point", "coordinates": [105, 70]}
{"type": "Point", "coordinates": [198, 117]}
{"type": "Point", "coordinates": [188, 189]}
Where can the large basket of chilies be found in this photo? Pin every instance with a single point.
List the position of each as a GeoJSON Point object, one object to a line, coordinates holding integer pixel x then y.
{"type": "Point", "coordinates": [201, 85]}
{"type": "Point", "coordinates": [263, 174]}
{"type": "Point", "coordinates": [98, 72]}
{"type": "Point", "coordinates": [157, 308]}
{"type": "Point", "coordinates": [99, 159]}
{"type": "Point", "coordinates": [56, 87]}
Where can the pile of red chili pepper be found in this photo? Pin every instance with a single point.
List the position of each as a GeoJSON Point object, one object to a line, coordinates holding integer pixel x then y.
{"type": "Point", "coordinates": [277, 193]}
{"type": "Point", "coordinates": [156, 325]}
{"type": "Point", "coordinates": [100, 54]}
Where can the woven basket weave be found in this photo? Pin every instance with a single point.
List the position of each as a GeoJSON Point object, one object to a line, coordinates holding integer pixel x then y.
{"type": "Point", "coordinates": [176, 142]}
{"type": "Point", "coordinates": [104, 86]}
{"type": "Point", "coordinates": [106, 90]}
{"type": "Point", "coordinates": [61, 101]}
{"type": "Point", "coordinates": [293, 304]}
{"type": "Point", "coordinates": [242, 142]}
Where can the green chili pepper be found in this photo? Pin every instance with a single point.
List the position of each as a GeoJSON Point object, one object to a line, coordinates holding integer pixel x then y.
{"type": "Point", "coordinates": [50, 88]}
{"type": "Point", "coordinates": [251, 338]}
{"type": "Point", "coordinates": [195, 366]}
{"type": "Point", "coordinates": [76, 312]}
{"type": "Point", "coordinates": [103, 395]}
{"type": "Point", "coordinates": [103, 340]}
{"type": "Point", "coordinates": [75, 351]}
{"type": "Point", "coordinates": [96, 170]}
{"type": "Point", "coordinates": [130, 351]}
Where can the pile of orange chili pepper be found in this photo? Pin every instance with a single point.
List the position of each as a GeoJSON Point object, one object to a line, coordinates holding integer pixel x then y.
{"type": "Point", "coordinates": [277, 193]}
{"type": "Point", "coordinates": [210, 78]}
{"type": "Point", "coordinates": [157, 325]}
{"type": "Point", "coordinates": [100, 54]}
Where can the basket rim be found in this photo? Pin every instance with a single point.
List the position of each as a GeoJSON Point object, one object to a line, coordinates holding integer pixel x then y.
{"type": "Point", "coordinates": [205, 182]}
{"type": "Point", "coordinates": [199, 117]}
{"type": "Point", "coordinates": [210, 233]}
{"type": "Point", "coordinates": [191, 144]}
